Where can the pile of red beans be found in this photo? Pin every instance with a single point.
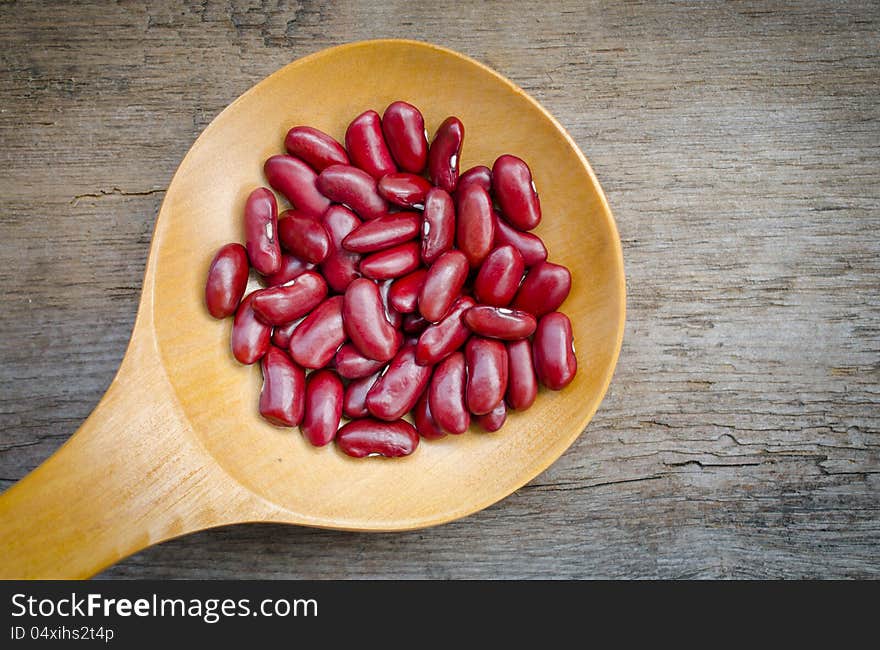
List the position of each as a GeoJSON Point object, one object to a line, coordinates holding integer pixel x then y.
{"type": "Point", "coordinates": [400, 284]}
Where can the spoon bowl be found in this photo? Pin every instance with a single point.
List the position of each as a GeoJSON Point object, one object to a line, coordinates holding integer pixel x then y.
{"type": "Point", "coordinates": [177, 445]}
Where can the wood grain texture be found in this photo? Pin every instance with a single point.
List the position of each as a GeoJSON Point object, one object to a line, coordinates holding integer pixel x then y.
{"type": "Point", "coordinates": [739, 146]}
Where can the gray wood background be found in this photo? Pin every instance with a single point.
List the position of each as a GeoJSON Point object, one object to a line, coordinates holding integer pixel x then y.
{"type": "Point", "coordinates": [739, 145]}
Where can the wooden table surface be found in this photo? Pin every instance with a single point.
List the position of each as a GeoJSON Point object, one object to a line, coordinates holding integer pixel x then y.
{"type": "Point", "coordinates": [739, 146]}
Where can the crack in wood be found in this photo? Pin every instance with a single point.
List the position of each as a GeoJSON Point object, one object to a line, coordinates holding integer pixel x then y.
{"type": "Point", "coordinates": [571, 487]}
{"type": "Point", "coordinates": [115, 191]}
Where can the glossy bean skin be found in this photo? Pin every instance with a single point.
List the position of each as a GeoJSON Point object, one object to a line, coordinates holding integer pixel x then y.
{"type": "Point", "coordinates": [369, 437]}
{"type": "Point", "coordinates": [522, 384]}
{"type": "Point", "coordinates": [515, 192]}
{"type": "Point", "coordinates": [281, 334]}
{"type": "Point", "coordinates": [404, 293]}
{"type": "Point", "coordinates": [446, 394]}
{"type": "Point", "coordinates": [314, 147]}
{"type": "Point", "coordinates": [297, 182]}
{"type": "Point", "coordinates": [365, 321]}
{"type": "Point", "coordinates": [440, 340]}
{"type": "Point", "coordinates": [443, 285]}
{"type": "Point", "coordinates": [424, 420]}
{"type": "Point", "coordinates": [282, 398]}
{"type": "Point", "coordinates": [414, 324]}
{"type": "Point", "coordinates": [366, 146]}
{"type": "Point", "coordinates": [394, 317]}
{"type": "Point", "coordinates": [304, 236]}
{"type": "Point", "coordinates": [291, 267]}
{"type": "Point", "coordinates": [250, 336]}
{"type": "Point", "coordinates": [475, 223]}
{"type": "Point", "coordinates": [399, 387]}
{"type": "Point", "coordinates": [340, 267]}
{"type": "Point", "coordinates": [351, 364]}
{"type": "Point", "coordinates": [353, 187]}
{"type": "Point", "coordinates": [494, 419]}
{"type": "Point", "coordinates": [480, 175]}
{"type": "Point", "coordinates": [227, 280]}
{"type": "Point", "coordinates": [499, 276]}
{"type": "Point", "coordinates": [354, 401]}
{"type": "Point", "coordinates": [553, 348]}
{"type": "Point", "coordinates": [444, 155]}
{"type": "Point", "coordinates": [261, 231]}
{"type": "Point", "coordinates": [323, 407]}
{"type": "Point", "coordinates": [392, 262]}
{"type": "Point", "coordinates": [438, 224]}
{"type": "Point", "coordinates": [383, 232]}
{"type": "Point", "coordinates": [404, 130]}
{"type": "Point", "coordinates": [314, 343]}
{"type": "Point", "coordinates": [529, 246]}
{"type": "Point", "coordinates": [487, 374]}
{"type": "Point", "coordinates": [544, 289]}
{"type": "Point", "coordinates": [500, 322]}
{"type": "Point", "coordinates": [284, 304]}
{"type": "Point", "coordinates": [405, 190]}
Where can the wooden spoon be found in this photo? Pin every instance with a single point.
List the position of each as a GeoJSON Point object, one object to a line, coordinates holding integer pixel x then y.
{"type": "Point", "coordinates": [176, 445]}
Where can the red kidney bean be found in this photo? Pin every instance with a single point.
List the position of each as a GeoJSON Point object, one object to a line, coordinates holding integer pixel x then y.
{"type": "Point", "coordinates": [398, 388]}
{"type": "Point", "coordinates": [354, 402]}
{"type": "Point", "coordinates": [443, 285]}
{"type": "Point", "coordinates": [404, 293]}
{"type": "Point", "coordinates": [340, 267]}
{"type": "Point", "coordinates": [446, 394]}
{"type": "Point", "coordinates": [297, 182]}
{"type": "Point", "coordinates": [250, 336]}
{"type": "Point", "coordinates": [260, 225]}
{"type": "Point", "coordinates": [227, 280]}
{"type": "Point", "coordinates": [366, 145]}
{"type": "Point", "coordinates": [424, 420]}
{"type": "Point", "coordinates": [370, 437]}
{"type": "Point", "coordinates": [382, 233]}
{"type": "Point", "coordinates": [314, 343]}
{"type": "Point", "coordinates": [480, 175]}
{"type": "Point", "coordinates": [315, 147]}
{"type": "Point", "coordinates": [353, 187]}
{"type": "Point", "coordinates": [304, 236]}
{"type": "Point", "coordinates": [515, 192]}
{"type": "Point", "coordinates": [407, 190]}
{"type": "Point", "coordinates": [444, 338]}
{"type": "Point", "coordinates": [499, 322]}
{"type": "Point", "coordinates": [404, 130]}
{"type": "Point", "coordinates": [283, 395]}
{"type": "Point", "coordinates": [529, 246]}
{"type": "Point", "coordinates": [366, 323]}
{"type": "Point", "coordinates": [444, 154]}
{"type": "Point", "coordinates": [544, 289]}
{"type": "Point", "coordinates": [414, 323]}
{"type": "Point", "coordinates": [438, 225]}
{"type": "Point", "coordinates": [487, 374]}
{"type": "Point", "coordinates": [392, 262]}
{"type": "Point", "coordinates": [394, 317]}
{"type": "Point", "coordinates": [522, 384]}
{"type": "Point", "coordinates": [323, 407]}
{"type": "Point", "coordinates": [281, 335]}
{"type": "Point", "coordinates": [475, 228]}
{"type": "Point", "coordinates": [494, 419]}
{"type": "Point", "coordinates": [291, 267]}
{"type": "Point", "coordinates": [410, 340]}
{"type": "Point", "coordinates": [351, 364]}
{"type": "Point", "coordinates": [499, 276]}
{"type": "Point", "coordinates": [281, 305]}
{"type": "Point", "coordinates": [555, 362]}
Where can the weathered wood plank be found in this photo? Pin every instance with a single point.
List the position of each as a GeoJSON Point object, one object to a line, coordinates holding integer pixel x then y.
{"type": "Point", "coordinates": [739, 145]}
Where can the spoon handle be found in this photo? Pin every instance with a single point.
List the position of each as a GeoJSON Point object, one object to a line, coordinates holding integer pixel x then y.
{"type": "Point", "coordinates": [133, 475]}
